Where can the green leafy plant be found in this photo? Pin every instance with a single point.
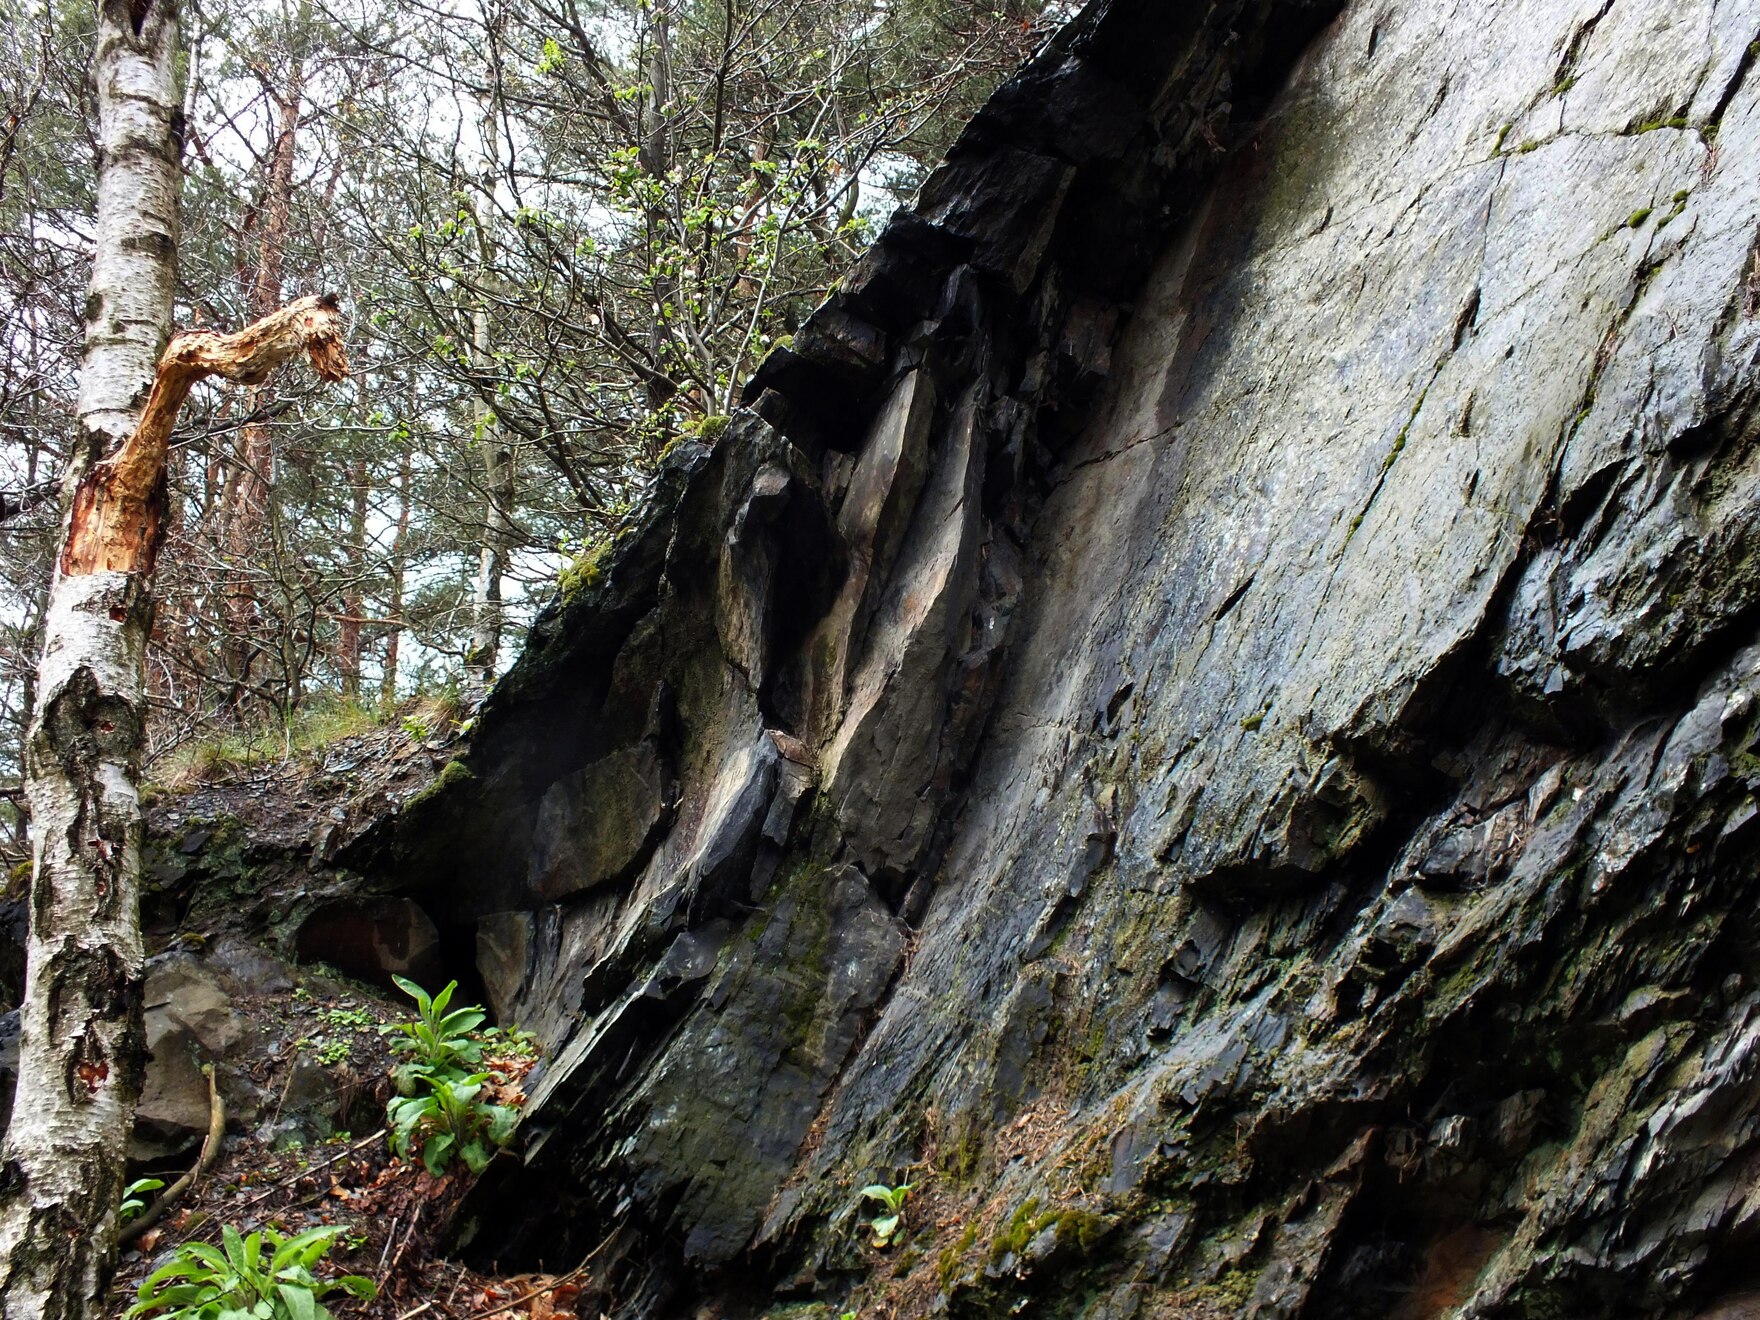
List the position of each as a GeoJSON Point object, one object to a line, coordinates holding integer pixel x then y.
{"type": "Point", "coordinates": [351, 1019]}
{"type": "Point", "coordinates": [436, 1111]}
{"type": "Point", "coordinates": [134, 1196]}
{"type": "Point", "coordinates": [885, 1224]}
{"type": "Point", "coordinates": [510, 1042]}
{"type": "Point", "coordinates": [449, 1121]}
{"type": "Point", "coordinates": [437, 1041]}
{"type": "Point", "coordinates": [261, 1277]}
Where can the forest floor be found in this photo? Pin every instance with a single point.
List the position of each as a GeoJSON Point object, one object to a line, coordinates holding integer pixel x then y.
{"type": "Point", "coordinates": [393, 1212]}
{"type": "Point", "coordinates": [240, 839]}
{"type": "Point", "coordinates": [334, 764]}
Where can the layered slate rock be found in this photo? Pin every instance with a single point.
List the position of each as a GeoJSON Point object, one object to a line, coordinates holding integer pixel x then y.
{"type": "Point", "coordinates": [1205, 712]}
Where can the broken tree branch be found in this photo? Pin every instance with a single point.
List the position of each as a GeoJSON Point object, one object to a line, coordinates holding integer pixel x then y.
{"type": "Point", "coordinates": [119, 508]}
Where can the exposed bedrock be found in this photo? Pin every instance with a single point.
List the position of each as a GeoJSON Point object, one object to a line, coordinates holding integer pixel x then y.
{"type": "Point", "coordinates": [1205, 713]}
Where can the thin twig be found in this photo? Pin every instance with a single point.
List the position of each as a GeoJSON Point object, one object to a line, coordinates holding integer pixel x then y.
{"type": "Point", "coordinates": [282, 1098]}
{"type": "Point", "coordinates": [536, 1293]}
{"type": "Point", "coordinates": [295, 1175]}
{"type": "Point", "coordinates": [397, 1258]}
{"type": "Point", "coordinates": [389, 1239]}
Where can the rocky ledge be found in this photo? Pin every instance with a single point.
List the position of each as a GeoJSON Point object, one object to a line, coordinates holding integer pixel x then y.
{"type": "Point", "coordinates": [1204, 715]}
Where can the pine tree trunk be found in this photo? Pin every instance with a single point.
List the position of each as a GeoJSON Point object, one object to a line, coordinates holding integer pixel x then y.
{"type": "Point", "coordinates": [82, 1049]}
{"type": "Point", "coordinates": [354, 602]}
{"type": "Point", "coordinates": [394, 606]}
{"type": "Point", "coordinates": [248, 518]}
{"type": "Point", "coordinates": [492, 553]}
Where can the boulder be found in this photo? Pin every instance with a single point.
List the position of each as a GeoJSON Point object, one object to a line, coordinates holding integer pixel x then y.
{"type": "Point", "coordinates": [190, 1021]}
{"type": "Point", "coordinates": [1209, 709]}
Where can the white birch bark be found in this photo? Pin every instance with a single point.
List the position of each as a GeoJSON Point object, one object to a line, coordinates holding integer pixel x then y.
{"type": "Point", "coordinates": [134, 267]}
{"type": "Point", "coordinates": [488, 614]}
{"type": "Point", "coordinates": [82, 1047]}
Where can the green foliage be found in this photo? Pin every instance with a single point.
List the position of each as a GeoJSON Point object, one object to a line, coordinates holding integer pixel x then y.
{"type": "Point", "coordinates": [885, 1224]}
{"type": "Point", "coordinates": [347, 1019]}
{"type": "Point", "coordinates": [510, 1043]}
{"type": "Point", "coordinates": [438, 1041]}
{"type": "Point", "coordinates": [329, 1053]}
{"type": "Point", "coordinates": [436, 1111]}
{"type": "Point", "coordinates": [133, 1197]}
{"type": "Point", "coordinates": [448, 1122]}
{"type": "Point", "coordinates": [304, 732]}
{"type": "Point", "coordinates": [558, 253]}
{"type": "Point", "coordinates": [261, 1277]}
{"type": "Point", "coordinates": [345, 1023]}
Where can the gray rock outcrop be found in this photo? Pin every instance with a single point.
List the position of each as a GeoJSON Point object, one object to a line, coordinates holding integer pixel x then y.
{"type": "Point", "coordinates": [1206, 713]}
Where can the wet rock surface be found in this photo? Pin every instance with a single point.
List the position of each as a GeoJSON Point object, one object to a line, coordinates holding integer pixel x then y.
{"type": "Point", "coordinates": [1206, 712]}
{"type": "Point", "coordinates": [296, 1054]}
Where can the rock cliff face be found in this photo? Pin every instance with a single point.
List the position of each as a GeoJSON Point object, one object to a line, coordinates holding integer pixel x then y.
{"type": "Point", "coordinates": [1205, 715]}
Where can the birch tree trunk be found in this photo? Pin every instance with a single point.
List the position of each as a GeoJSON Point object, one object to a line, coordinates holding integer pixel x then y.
{"type": "Point", "coordinates": [498, 466]}
{"type": "Point", "coordinates": [399, 545]}
{"type": "Point", "coordinates": [82, 1049]}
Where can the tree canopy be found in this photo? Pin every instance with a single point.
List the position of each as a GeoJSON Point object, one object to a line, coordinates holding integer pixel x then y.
{"type": "Point", "coordinates": [565, 231]}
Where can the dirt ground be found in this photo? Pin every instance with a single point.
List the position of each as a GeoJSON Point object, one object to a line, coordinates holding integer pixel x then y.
{"type": "Point", "coordinates": [245, 844]}
{"type": "Point", "coordinates": [394, 1212]}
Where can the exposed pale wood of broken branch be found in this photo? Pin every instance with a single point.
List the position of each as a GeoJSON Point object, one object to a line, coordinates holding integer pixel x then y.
{"type": "Point", "coordinates": [119, 509]}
